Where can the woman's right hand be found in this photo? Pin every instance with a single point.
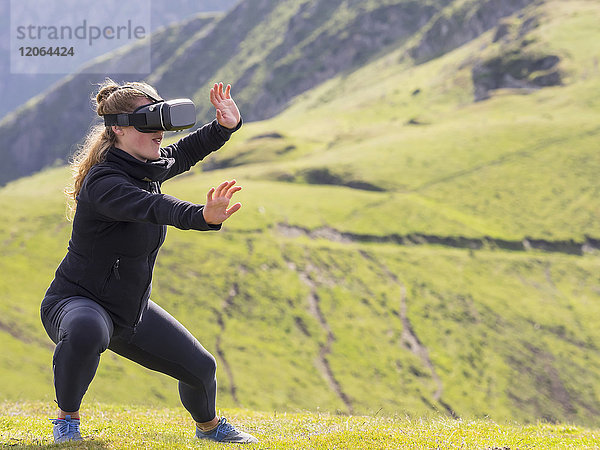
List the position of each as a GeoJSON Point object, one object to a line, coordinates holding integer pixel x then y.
{"type": "Point", "coordinates": [216, 210]}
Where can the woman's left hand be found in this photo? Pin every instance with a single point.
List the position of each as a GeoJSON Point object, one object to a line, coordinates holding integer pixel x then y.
{"type": "Point", "coordinates": [228, 114]}
{"type": "Point", "coordinates": [216, 210]}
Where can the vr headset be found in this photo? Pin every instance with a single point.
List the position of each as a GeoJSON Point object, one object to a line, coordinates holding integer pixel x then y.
{"type": "Point", "coordinates": [161, 115]}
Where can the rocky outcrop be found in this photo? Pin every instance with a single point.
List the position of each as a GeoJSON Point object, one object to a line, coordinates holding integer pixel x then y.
{"type": "Point", "coordinates": [515, 70]}
{"type": "Point", "coordinates": [515, 65]}
{"type": "Point", "coordinates": [456, 25]}
{"type": "Point", "coordinates": [332, 50]}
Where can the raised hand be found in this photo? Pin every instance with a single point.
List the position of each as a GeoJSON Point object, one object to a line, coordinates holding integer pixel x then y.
{"type": "Point", "coordinates": [216, 210]}
{"type": "Point", "coordinates": [228, 114]}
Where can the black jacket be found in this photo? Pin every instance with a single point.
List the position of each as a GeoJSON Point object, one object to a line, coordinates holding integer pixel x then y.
{"type": "Point", "coordinates": [120, 224]}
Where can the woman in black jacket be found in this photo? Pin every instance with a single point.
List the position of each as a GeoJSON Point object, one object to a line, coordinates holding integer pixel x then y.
{"type": "Point", "coordinates": [100, 296]}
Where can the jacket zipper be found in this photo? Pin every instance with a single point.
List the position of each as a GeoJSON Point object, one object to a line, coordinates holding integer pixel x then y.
{"type": "Point", "coordinates": [114, 271]}
{"type": "Point", "coordinates": [116, 268]}
{"type": "Point", "coordinates": [160, 238]}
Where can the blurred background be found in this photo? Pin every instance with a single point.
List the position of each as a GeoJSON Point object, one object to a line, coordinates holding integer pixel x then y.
{"type": "Point", "coordinates": [420, 224]}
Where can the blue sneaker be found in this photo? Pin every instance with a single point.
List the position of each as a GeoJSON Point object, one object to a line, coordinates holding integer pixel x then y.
{"type": "Point", "coordinates": [225, 432]}
{"type": "Point", "coordinates": [66, 429]}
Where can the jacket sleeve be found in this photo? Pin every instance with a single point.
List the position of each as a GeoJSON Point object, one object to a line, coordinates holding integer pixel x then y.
{"type": "Point", "coordinates": [116, 198]}
{"type": "Point", "coordinates": [196, 146]}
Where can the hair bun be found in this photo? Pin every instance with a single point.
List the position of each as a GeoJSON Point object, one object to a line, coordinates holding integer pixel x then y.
{"type": "Point", "coordinates": [107, 88]}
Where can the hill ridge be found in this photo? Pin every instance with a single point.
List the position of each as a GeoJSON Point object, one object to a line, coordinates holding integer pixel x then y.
{"type": "Point", "coordinates": [570, 246]}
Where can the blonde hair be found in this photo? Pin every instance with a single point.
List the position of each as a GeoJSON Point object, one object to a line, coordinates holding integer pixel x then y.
{"type": "Point", "coordinates": [111, 98]}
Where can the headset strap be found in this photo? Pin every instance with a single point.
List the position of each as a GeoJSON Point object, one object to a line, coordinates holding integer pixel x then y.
{"type": "Point", "coordinates": [124, 120]}
{"type": "Point", "coordinates": [143, 90]}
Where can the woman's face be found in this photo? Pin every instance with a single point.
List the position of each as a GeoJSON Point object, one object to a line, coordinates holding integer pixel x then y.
{"type": "Point", "coordinates": [143, 146]}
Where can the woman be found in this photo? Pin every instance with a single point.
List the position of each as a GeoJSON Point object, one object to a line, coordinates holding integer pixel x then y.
{"type": "Point", "coordinates": [99, 297]}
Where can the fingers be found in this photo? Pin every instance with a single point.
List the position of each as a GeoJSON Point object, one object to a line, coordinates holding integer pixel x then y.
{"type": "Point", "coordinates": [218, 91]}
{"type": "Point", "coordinates": [209, 196]}
{"type": "Point", "coordinates": [217, 95]}
{"type": "Point", "coordinates": [232, 191]}
{"type": "Point", "coordinates": [217, 200]}
{"type": "Point", "coordinates": [233, 209]}
{"type": "Point", "coordinates": [222, 188]}
{"type": "Point", "coordinates": [225, 189]}
{"type": "Point", "coordinates": [213, 96]}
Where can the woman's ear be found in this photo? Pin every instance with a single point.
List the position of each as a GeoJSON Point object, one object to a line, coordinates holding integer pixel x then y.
{"type": "Point", "coordinates": [117, 130]}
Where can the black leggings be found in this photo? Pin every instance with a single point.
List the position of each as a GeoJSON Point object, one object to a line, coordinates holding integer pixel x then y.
{"type": "Point", "coordinates": [82, 330]}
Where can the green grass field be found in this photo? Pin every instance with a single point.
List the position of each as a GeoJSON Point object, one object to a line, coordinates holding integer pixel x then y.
{"type": "Point", "coordinates": [509, 335]}
{"type": "Point", "coordinates": [26, 425]}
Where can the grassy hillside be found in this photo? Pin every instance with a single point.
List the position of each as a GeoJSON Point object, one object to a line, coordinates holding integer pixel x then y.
{"type": "Point", "coordinates": [518, 326]}
{"type": "Point", "coordinates": [25, 425]}
{"type": "Point", "coordinates": [513, 166]}
{"type": "Point", "coordinates": [326, 292]}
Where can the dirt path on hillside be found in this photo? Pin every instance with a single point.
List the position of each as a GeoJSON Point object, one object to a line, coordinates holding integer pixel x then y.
{"type": "Point", "coordinates": [321, 362]}
{"type": "Point", "coordinates": [227, 302]}
{"type": "Point", "coordinates": [409, 338]}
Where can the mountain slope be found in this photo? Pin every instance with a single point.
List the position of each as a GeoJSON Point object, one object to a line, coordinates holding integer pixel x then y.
{"type": "Point", "coordinates": [18, 88]}
{"type": "Point", "coordinates": [46, 130]}
{"type": "Point", "coordinates": [419, 137]}
{"type": "Point", "coordinates": [270, 51]}
{"type": "Point", "coordinates": [325, 291]}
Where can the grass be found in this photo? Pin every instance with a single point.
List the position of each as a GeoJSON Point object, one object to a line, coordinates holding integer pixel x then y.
{"type": "Point", "coordinates": [25, 425]}
{"type": "Point", "coordinates": [509, 334]}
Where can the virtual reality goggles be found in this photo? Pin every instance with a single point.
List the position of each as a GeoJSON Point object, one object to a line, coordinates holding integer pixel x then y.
{"type": "Point", "coordinates": [161, 115]}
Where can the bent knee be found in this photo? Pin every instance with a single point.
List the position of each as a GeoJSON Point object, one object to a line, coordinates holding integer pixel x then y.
{"type": "Point", "coordinates": [203, 367]}
{"type": "Point", "coordinates": [208, 366]}
{"type": "Point", "coordinates": [87, 334]}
